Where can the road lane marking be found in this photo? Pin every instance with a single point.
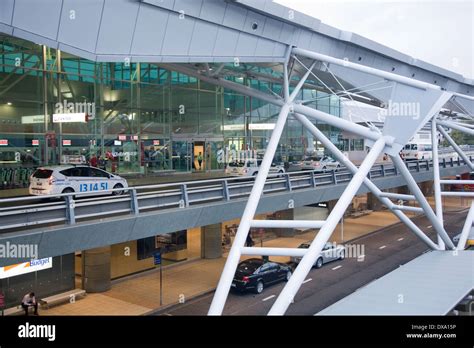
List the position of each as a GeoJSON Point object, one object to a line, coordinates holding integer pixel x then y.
{"type": "Point", "coordinates": [268, 298]}
{"type": "Point", "coordinates": [400, 239]}
{"type": "Point", "coordinates": [307, 280]}
{"type": "Point", "coordinates": [383, 247]}
{"type": "Point", "coordinates": [429, 226]}
{"type": "Point", "coordinates": [337, 267]}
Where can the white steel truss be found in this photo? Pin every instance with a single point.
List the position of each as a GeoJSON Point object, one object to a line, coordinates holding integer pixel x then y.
{"type": "Point", "coordinates": [391, 140]}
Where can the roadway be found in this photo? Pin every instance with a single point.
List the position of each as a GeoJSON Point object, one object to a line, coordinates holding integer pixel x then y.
{"type": "Point", "coordinates": [385, 250]}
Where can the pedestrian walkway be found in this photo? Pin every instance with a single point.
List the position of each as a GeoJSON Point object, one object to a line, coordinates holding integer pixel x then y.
{"type": "Point", "coordinates": [140, 294]}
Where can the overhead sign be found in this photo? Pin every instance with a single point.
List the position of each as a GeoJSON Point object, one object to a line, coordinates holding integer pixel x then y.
{"type": "Point", "coordinates": [26, 267]}
{"type": "Point", "coordinates": [156, 142]}
{"type": "Point", "coordinates": [73, 159]}
{"type": "Point", "coordinates": [66, 142]}
{"type": "Point", "coordinates": [233, 127]}
{"type": "Point", "coordinates": [262, 126]}
{"type": "Point", "coordinates": [3, 142]}
{"type": "Point", "coordinates": [70, 118]}
{"type": "Point", "coordinates": [32, 119]}
{"type": "Point", "coordinates": [122, 137]}
{"type": "Point", "coordinates": [35, 142]}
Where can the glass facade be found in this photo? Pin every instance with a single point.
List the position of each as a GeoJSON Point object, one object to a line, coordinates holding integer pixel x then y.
{"type": "Point", "coordinates": [140, 118]}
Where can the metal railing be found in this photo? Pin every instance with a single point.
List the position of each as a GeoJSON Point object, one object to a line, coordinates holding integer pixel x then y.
{"type": "Point", "coordinates": [26, 212]}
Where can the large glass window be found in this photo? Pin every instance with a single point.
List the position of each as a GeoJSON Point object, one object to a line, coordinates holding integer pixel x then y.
{"type": "Point", "coordinates": [137, 117]}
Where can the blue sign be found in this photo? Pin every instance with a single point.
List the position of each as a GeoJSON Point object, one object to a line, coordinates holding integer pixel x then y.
{"type": "Point", "coordinates": [157, 258]}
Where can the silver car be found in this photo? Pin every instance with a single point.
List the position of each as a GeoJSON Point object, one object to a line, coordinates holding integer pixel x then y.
{"type": "Point", "coordinates": [330, 252]}
{"type": "Point", "coordinates": [320, 164]}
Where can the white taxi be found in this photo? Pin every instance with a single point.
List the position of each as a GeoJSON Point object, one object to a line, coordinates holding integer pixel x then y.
{"type": "Point", "coordinates": [250, 167]}
{"type": "Point", "coordinates": [74, 178]}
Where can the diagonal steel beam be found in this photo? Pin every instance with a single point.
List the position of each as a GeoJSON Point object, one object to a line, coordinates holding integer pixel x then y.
{"type": "Point", "coordinates": [292, 286]}
{"type": "Point", "coordinates": [466, 229]}
{"type": "Point", "coordinates": [456, 147]}
{"type": "Point", "coordinates": [413, 186]}
{"type": "Point", "coordinates": [369, 184]}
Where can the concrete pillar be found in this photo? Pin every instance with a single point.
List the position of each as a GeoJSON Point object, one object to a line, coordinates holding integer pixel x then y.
{"type": "Point", "coordinates": [211, 241]}
{"type": "Point", "coordinates": [373, 202]}
{"type": "Point", "coordinates": [403, 190]}
{"type": "Point", "coordinates": [96, 272]}
{"type": "Point", "coordinates": [427, 188]}
{"type": "Point", "coordinates": [332, 203]}
{"type": "Point", "coordinates": [288, 214]}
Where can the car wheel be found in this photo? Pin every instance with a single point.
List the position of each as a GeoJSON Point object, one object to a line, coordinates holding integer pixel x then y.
{"type": "Point", "coordinates": [319, 262]}
{"type": "Point", "coordinates": [259, 287]}
{"type": "Point", "coordinates": [68, 190]}
{"type": "Point", "coordinates": [288, 276]}
{"type": "Point", "coordinates": [255, 174]}
{"type": "Point", "coordinates": [343, 254]}
{"type": "Point", "coordinates": [117, 193]}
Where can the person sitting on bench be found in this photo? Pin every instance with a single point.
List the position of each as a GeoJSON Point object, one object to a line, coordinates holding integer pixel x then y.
{"type": "Point", "coordinates": [29, 300]}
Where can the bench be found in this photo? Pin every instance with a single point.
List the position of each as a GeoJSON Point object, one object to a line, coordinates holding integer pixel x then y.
{"type": "Point", "coordinates": [17, 310]}
{"type": "Point", "coordinates": [62, 297]}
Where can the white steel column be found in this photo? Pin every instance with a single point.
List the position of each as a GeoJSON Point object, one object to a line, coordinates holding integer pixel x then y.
{"type": "Point", "coordinates": [436, 179]}
{"type": "Point", "coordinates": [289, 291]}
{"type": "Point", "coordinates": [223, 287]}
{"type": "Point", "coordinates": [369, 184]}
{"type": "Point", "coordinates": [466, 229]}
{"type": "Point", "coordinates": [413, 186]}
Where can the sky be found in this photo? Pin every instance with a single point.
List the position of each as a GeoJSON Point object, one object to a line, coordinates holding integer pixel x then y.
{"type": "Point", "coordinates": [440, 32]}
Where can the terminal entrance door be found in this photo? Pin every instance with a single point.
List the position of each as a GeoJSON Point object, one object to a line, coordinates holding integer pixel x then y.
{"type": "Point", "coordinates": [182, 156]}
{"type": "Point", "coordinates": [199, 156]}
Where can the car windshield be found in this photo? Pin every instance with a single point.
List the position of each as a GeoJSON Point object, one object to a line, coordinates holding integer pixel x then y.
{"type": "Point", "coordinates": [42, 173]}
{"type": "Point", "coordinates": [236, 164]}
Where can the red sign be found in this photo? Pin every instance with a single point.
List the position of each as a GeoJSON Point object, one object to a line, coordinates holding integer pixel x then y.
{"type": "Point", "coordinates": [156, 142]}
{"type": "Point", "coordinates": [135, 137]}
{"type": "Point", "coordinates": [122, 137]}
{"type": "Point", "coordinates": [66, 142]}
{"type": "Point", "coordinates": [35, 142]}
{"type": "Point", "coordinates": [3, 142]}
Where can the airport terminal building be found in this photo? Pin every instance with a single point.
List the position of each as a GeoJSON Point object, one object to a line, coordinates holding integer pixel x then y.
{"type": "Point", "coordinates": [148, 89]}
{"type": "Point", "coordinates": [140, 118]}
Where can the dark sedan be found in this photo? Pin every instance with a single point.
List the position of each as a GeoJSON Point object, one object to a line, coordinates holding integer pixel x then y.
{"type": "Point", "coordinates": [255, 274]}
